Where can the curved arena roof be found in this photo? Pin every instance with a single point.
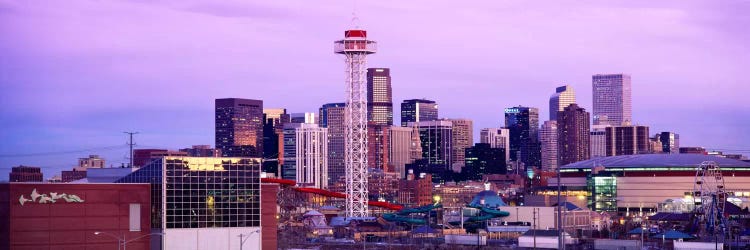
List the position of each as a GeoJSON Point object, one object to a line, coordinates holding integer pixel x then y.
{"type": "Point", "coordinates": [656, 160]}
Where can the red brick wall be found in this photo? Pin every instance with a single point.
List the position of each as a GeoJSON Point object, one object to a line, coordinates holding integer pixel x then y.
{"type": "Point", "coordinates": [268, 220]}
{"type": "Point", "coordinates": [69, 225]}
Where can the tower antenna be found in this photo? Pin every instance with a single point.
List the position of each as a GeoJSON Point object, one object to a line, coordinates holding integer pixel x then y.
{"type": "Point", "coordinates": [355, 19]}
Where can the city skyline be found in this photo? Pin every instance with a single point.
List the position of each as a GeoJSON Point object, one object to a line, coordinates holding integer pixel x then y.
{"type": "Point", "coordinates": [154, 88]}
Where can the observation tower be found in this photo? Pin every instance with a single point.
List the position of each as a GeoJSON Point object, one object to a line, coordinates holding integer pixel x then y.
{"type": "Point", "coordinates": [355, 47]}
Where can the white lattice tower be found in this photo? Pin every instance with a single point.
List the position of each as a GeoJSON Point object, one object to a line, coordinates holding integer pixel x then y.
{"type": "Point", "coordinates": [355, 47]}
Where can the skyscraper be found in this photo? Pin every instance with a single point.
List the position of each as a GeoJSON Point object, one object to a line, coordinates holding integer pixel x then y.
{"type": "Point", "coordinates": [332, 117]}
{"type": "Point", "coordinates": [307, 117]}
{"type": "Point", "coordinates": [670, 142]}
{"type": "Point", "coordinates": [311, 155]}
{"type": "Point", "coordinates": [612, 99]}
{"type": "Point", "coordinates": [418, 110]}
{"type": "Point", "coordinates": [463, 138]}
{"type": "Point", "coordinates": [289, 167]}
{"type": "Point", "coordinates": [399, 142]}
{"type": "Point", "coordinates": [523, 124]}
{"type": "Point", "coordinates": [563, 96]}
{"type": "Point", "coordinates": [627, 140]}
{"type": "Point", "coordinates": [239, 127]}
{"type": "Point", "coordinates": [436, 139]}
{"type": "Point", "coordinates": [482, 159]}
{"type": "Point", "coordinates": [377, 146]}
{"type": "Point", "coordinates": [598, 141]}
{"type": "Point", "coordinates": [548, 142]}
{"type": "Point", "coordinates": [573, 134]}
{"type": "Point", "coordinates": [497, 138]}
{"type": "Point", "coordinates": [379, 97]}
{"type": "Point", "coordinates": [273, 126]}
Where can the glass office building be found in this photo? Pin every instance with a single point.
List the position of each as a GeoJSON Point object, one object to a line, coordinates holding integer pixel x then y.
{"type": "Point", "coordinates": [201, 193]}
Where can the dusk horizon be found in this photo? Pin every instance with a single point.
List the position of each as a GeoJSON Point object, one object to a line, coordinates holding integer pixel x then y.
{"type": "Point", "coordinates": [75, 78]}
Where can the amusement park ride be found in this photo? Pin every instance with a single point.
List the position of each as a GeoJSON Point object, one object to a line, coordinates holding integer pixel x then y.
{"type": "Point", "coordinates": [709, 198]}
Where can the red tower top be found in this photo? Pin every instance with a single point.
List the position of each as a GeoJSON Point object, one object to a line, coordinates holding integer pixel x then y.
{"type": "Point", "coordinates": [355, 42]}
{"type": "Point", "coordinates": [355, 33]}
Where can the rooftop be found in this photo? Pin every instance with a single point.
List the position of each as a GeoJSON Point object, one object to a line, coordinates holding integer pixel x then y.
{"type": "Point", "coordinates": [656, 160]}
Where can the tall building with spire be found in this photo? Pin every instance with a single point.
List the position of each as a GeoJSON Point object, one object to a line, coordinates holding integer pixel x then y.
{"type": "Point", "coordinates": [612, 97]}
{"type": "Point", "coordinates": [379, 96]}
{"type": "Point", "coordinates": [563, 96]}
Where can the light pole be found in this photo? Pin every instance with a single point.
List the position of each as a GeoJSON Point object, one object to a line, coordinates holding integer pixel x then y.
{"type": "Point", "coordinates": [642, 229]}
{"type": "Point", "coordinates": [245, 237]}
{"type": "Point", "coordinates": [119, 240]}
{"type": "Point", "coordinates": [122, 241]}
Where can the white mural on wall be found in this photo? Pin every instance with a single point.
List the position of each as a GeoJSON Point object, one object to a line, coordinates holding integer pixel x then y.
{"type": "Point", "coordinates": [51, 198]}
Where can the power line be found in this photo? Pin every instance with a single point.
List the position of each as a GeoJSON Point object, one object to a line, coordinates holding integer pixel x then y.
{"type": "Point", "coordinates": [107, 148]}
{"type": "Point", "coordinates": [131, 144]}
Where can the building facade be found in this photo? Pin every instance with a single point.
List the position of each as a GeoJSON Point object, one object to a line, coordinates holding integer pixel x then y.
{"type": "Point", "coordinates": [619, 183]}
{"type": "Point", "coordinates": [399, 144]}
{"type": "Point", "coordinates": [377, 146]}
{"type": "Point", "coordinates": [497, 138]}
{"type": "Point", "coordinates": [693, 150]}
{"type": "Point", "coordinates": [573, 134]}
{"type": "Point", "coordinates": [311, 154]}
{"type": "Point", "coordinates": [239, 127]}
{"type": "Point", "coordinates": [418, 110]}
{"type": "Point", "coordinates": [598, 139]}
{"type": "Point", "coordinates": [627, 140]}
{"type": "Point", "coordinates": [332, 117]}
{"type": "Point", "coordinates": [612, 99]}
{"type": "Point", "coordinates": [548, 142]}
{"type": "Point", "coordinates": [436, 139]}
{"type": "Point", "coordinates": [463, 138]}
{"type": "Point", "coordinates": [523, 125]}
{"type": "Point", "coordinates": [670, 142]}
{"type": "Point", "coordinates": [273, 129]}
{"type": "Point", "coordinates": [415, 190]}
{"type": "Point", "coordinates": [25, 174]}
{"type": "Point", "coordinates": [306, 117]}
{"type": "Point", "coordinates": [203, 202]}
{"type": "Point", "coordinates": [482, 159]}
{"type": "Point", "coordinates": [563, 96]}
{"type": "Point", "coordinates": [203, 151]}
{"type": "Point", "coordinates": [379, 96]}
{"type": "Point", "coordinates": [68, 216]}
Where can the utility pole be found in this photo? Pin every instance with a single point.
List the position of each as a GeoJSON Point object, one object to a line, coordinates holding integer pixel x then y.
{"type": "Point", "coordinates": [560, 231]}
{"type": "Point", "coordinates": [534, 213]}
{"type": "Point", "coordinates": [131, 144]}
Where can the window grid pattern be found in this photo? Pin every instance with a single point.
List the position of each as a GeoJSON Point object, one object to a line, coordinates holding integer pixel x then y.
{"type": "Point", "coordinates": [203, 192]}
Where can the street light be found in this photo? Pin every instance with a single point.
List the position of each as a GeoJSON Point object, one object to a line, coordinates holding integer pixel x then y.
{"type": "Point", "coordinates": [119, 240]}
{"type": "Point", "coordinates": [245, 237]}
{"type": "Point", "coordinates": [122, 241]}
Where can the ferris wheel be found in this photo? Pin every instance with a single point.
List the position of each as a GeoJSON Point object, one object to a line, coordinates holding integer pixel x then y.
{"type": "Point", "coordinates": [709, 198]}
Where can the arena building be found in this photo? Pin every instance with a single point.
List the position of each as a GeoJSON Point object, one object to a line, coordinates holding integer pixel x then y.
{"type": "Point", "coordinates": [629, 183]}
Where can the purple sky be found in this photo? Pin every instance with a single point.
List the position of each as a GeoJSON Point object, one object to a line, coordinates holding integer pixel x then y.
{"type": "Point", "coordinates": [75, 74]}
